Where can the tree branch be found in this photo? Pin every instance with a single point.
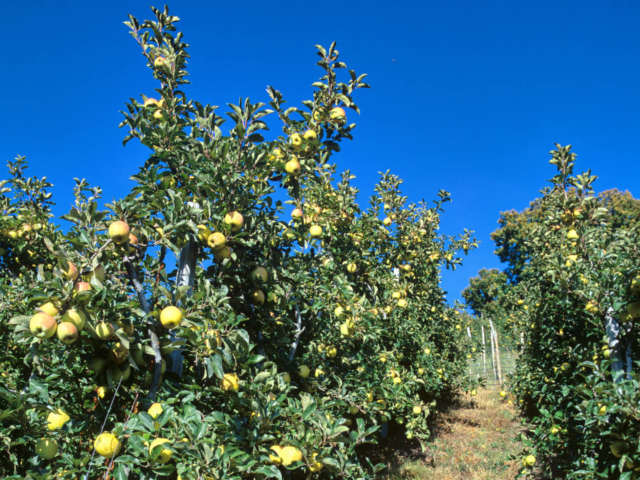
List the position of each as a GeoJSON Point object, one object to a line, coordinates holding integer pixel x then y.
{"type": "Point", "coordinates": [155, 344]}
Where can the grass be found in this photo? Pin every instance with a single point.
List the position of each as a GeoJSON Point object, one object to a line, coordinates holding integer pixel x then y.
{"type": "Point", "coordinates": [473, 442]}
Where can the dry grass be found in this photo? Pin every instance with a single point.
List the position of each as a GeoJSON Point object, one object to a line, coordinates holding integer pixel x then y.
{"type": "Point", "coordinates": [473, 442]}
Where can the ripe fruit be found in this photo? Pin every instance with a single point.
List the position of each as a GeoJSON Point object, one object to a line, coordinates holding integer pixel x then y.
{"type": "Point", "coordinates": [386, 222]}
{"type": "Point", "coordinates": [369, 397]}
{"type": "Point", "coordinates": [104, 331]}
{"type": "Point", "coordinates": [119, 230]}
{"type": "Point", "coordinates": [619, 448]}
{"type": "Point", "coordinates": [352, 268]}
{"type": "Point", "coordinates": [602, 410]}
{"type": "Point", "coordinates": [159, 62]}
{"type": "Point", "coordinates": [275, 459]}
{"type": "Point", "coordinates": [315, 231]}
{"type": "Point", "coordinates": [222, 253]}
{"type": "Point", "coordinates": [107, 445]}
{"type": "Point", "coordinates": [171, 317]}
{"type": "Point", "coordinates": [117, 374]}
{"type": "Point", "coordinates": [417, 410]}
{"type": "Point", "coordinates": [347, 329]}
{"type": "Point", "coordinates": [162, 455]}
{"type": "Point", "coordinates": [554, 430]}
{"type": "Point", "coordinates": [310, 134]}
{"type": "Point", "coordinates": [235, 220]}
{"type": "Point", "coordinates": [503, 393]}
{"type": "Point", "coordinates": [296, 141]}
{"type": "Point", "coordinates": [259, 275]}
{"type": "Point", "coordinates": [57, 419]}
{"type": "Point", "coordinates": [297, 214]}
{"type": "Point", "coordinates": [46, 448]}
{"type": "Point", "coordinates": [257, 297]}
{"type": "Point", "coordinates": [42, 325]}
{"type": "Point", "coordinates": [230, 381]}
{"type": "Point", "coordinates": [67, 332]}
{"type": "Point", "coordinates": [150, 102]}
{"type": "Point", "coordinates": [286, 378]}
{"type": "Point", "coordinates": [81, 287]}
{"type": "Point", "coordinates": [592, 307]}
{"type": "Point", "coordinates": [97, 365]}
{"type": "Point", "coordinates": [137, 353]}
{"type": "Point", "coordinates": [50, 309]}
{"type": "Point", "coordinates": [118, 352]}
{"type": "Point", "coordinates": [290, 455]}
{"type": "Point", "coordinates": [203, 233]}
{"type": "Point", "coordinates": [402, 303]}
{"type": "Point", "coordinates": [633, 309]}
{"type": "Point", "coordinates": [397, 380]}
{"type": "Point", "coordinates": [338, 116]}
{"type": "Point", "coordinates": [71, 273]}
{"type": "Point", "coordinates": [304, 371]}
{"type": "Point", "coordinates": [332, 352]}
{"type": "Point", "coordinates": [473, 393]}
{"type": "Point", "coordinates": [217, 240]}
{"type": "Point", "coordinates": [573, 235]}
{"type": "Point", "coordinates": [529, 461]}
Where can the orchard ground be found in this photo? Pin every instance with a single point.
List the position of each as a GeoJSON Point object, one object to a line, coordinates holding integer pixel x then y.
{"type": "Point", "coordinates": [473, 441]}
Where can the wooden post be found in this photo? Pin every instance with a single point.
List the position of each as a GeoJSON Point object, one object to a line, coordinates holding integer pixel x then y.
{"type": "Point", "coordinates": [498, 358]}
{"type": "Point", "coordinates": [493, 361]}
{"type": "Point", "coordinates": [484, 353]}
{"type": "Point", "coordinates": [470, 363]}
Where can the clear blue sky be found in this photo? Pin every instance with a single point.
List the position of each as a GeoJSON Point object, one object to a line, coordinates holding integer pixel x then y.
{"type": "Point", "coordinates": [477, 95]}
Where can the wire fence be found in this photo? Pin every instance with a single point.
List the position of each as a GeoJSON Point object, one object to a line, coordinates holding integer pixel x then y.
{"type": "Point", "coordinates": [489, 368]}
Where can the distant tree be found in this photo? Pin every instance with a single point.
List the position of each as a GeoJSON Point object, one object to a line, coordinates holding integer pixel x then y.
{"type": "Point", "coordinates": [483, 291]}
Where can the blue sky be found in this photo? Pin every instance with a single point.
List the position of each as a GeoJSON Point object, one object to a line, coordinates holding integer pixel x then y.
{"type": "Point", "coordinates": [477, 95]}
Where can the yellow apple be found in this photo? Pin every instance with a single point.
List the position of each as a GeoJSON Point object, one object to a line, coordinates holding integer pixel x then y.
{"type": "Point", "coordinates": [315, 231]}
{"type": "Point", "coordinates": [290, 455]}
{"type": "Point", "coordinates": [42, 325]}
{"type": "Point", "coordinates": [275, 459]}
{"type": "Point", "coordinates": [119, 230]}
{"type": "Point", "coordinates": [71, 273]}
{"type": "Point", "coordinates": [46, 448]}
{"type": "Point", "coordinates": [117, 373]}
{"type": "Point", "coordinates": [57, 419]}
{"type": "Point", "coordinates": [259, 275]}
{"type": "Point", "coordinates": [230, 382]}
{"type": "Point", "coordinates": [257, 297]}
{"type": "Point", "coordinates": [67, 332]}
{"type": "Point", "coordinates": [296, 141]}
{"type": "Point", "coordinates": [107, 445]}
{"type": "Point", "coordinates": [304, 371]}
{"type": "Point", "coordinates": [50, 308]}
{"type": "Point", "coordinates": [98, 365]}
{"type": "Point", "coordinates": [118, 352]}
{"type": "Point", "coordinates": [150, 102]}
{"type": "Point", "coordinates": [104, 331]}
{"type": "Point", "coordinates": [338, 116]}
{"type": "Point", "coordinates": [234, 220]}
{"type": "Point", "coordinates": [171, 317]}
{"type": "Point", "coordinates": [310, 134]}
{"type": "Point", "coordinates": [222, 253]}
{"type": "Point", "coordinates": [203, 233]}
{"type": "Point", "coordinates": [217, 240]}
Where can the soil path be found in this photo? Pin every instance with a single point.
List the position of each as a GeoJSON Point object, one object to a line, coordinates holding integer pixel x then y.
{"type": "Point", "coordinates": [473, 441]}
